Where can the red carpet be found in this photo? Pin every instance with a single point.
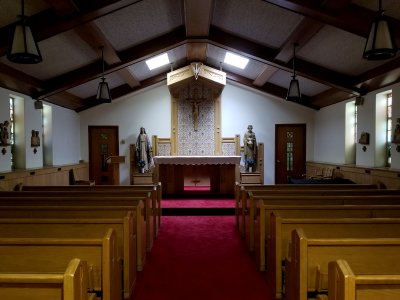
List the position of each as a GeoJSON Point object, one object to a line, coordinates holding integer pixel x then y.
{"type": "Point", "coordinates": [197, 203]}
{"type": "Point", "coordinates": [200, 258]}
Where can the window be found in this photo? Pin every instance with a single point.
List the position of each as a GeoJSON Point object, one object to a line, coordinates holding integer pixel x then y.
{"type": "Point", "coordinates": [350, 132]}
{"type": "Point", "coordinates": [12, 131]}
{"type": "Point", "coordinates": [388, 129]}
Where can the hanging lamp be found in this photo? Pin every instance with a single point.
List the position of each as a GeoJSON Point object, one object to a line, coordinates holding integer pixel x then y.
{"type": "Point", "coordinates": [380, 44]}
{"type": "Point", "coordinates": [103, 91]}
{"type": "Point", "coordinates": [23, 48]}
{"type": "Point", "coordinates": [293, 93]}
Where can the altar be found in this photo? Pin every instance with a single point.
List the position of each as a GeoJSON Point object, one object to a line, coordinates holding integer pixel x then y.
{"type": "Point", "coordinates": [176, 172]}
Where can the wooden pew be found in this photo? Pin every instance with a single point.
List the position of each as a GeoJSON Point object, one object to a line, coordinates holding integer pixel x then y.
{"type": "Point", "coordinates": [309, 257]}
{"type": "Point", "coordinates": [70, 285]}
{"type": "Point", "coordinates": [263, 229]}
{"type": "Point", "coordinates": [345, 285]}
{"type": "Point", "coordinates": [155, 189]}
{"type": "Point", "coordinates": [325, 197]}
{"type": "Point", "coordinates": [324, 225]}
{"type": "Point", "coordinates": [145, 195]}
{"type": "Point", "coordinates": [85, 212]}
{"type": "Point", "coordinates": [31, 255]}
{"type": "Point", "coordinates": [241, 191]}
{"type": "Point", "coordinates": [56, 227]}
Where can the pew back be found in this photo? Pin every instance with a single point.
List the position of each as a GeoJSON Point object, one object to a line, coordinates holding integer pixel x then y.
{"type": "Point", "coordinates": [241, 191]}
{"type": "Point", "coordinates": [309, 258]}
{"type": "Point", "coordinates": [98, 196]}
{"type": "Point", "coordinates": [155, 189]}
{"type": "Point", "coordinates": [345, 285]}
{"type": "Point", "coordinates": [70, 285]}
{"type": "Point", "coordinates": [79, 212]}
{"type": "Point", "coordinates": [32, 255]}
{"type": "Point", "coordinates": [324, 197]}
{"type": "Point", "coordinates": [81, 228]}
{"type": "Point", "coordinates": [328, 227]}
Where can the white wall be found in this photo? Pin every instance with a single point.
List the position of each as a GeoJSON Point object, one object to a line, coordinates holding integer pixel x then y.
{"type": "Point", "coordinates": [243, 106]}
{"type": "Point", "coordinates": [240, 107]}
{"type": "Point", "coordinates": [66, 136]}
{"type": "Point", "coordinates": [329, 134]}
{"type": "Point", "coordinates": [5, 159]}
{"type": "Point", "coordinates": [149, 108]}
{"type": "Point", "coordinates": [396, 115]}
{"type": "Point", "coordinates": [63, 134]}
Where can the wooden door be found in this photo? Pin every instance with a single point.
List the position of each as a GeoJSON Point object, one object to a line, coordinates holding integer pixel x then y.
{"type": "Point", "coordinates": [103, 143]}
{"type": "Point", "coordinates": [290, 152]}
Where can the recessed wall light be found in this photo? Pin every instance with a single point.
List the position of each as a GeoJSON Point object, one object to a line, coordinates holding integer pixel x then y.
{"type": "Point", "coordinates": [158, 61]}
{"type": "Point", "coordinates": [236, 60]}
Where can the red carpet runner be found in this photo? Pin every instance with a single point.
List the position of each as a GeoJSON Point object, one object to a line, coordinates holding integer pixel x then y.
{"type": "Point", "coordinates": [200, 257]}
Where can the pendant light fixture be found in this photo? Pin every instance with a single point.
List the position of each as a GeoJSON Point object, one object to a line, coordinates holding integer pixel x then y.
{"type": "Point", "coordinates": [293, 93]}
{"type": "Point", "coordinates": [23, 48]}
{"type": "Point", "coordinates": [103, 92]}
{"type": "Point", "coordinates": [380, 44]}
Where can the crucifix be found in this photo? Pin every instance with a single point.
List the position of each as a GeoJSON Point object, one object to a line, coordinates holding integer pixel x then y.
{"type": "Point", "coordinates": [195, 112]}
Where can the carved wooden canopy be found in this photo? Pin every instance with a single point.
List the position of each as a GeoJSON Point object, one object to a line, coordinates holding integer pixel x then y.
{"type": "Point", "coordinates": [183, 77]}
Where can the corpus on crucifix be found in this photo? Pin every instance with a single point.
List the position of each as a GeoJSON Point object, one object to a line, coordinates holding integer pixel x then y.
{"type": "Point", "coordinates": [195, 112]}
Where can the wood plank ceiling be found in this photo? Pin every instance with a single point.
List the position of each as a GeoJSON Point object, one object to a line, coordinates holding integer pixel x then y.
{"type": "Point", "coordinates": [331, 35]}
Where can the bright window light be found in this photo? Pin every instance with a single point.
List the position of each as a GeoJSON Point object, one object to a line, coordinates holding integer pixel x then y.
{"type": "Point", "coordinates": [236, 60]}
{"type": "Point", "coordinates": [158, 61]}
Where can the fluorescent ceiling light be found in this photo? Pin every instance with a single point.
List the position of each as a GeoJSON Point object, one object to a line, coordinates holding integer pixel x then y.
{"type": "Point", "coordinates": [236, 60]}
{"type": "Point", "coordinates": [158, 61]}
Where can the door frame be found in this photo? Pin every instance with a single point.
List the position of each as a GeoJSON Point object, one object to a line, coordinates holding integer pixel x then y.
{"type": "Point", "coordinates": [304, 145]}
{"type": "Point", "coordinates": [116, 141]}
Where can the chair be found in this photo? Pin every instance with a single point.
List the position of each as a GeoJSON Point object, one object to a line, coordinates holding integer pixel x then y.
{"type": "Point", "coordinates": [73, 181]}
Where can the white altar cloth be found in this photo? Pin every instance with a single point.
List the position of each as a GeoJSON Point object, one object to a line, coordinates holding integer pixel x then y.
{"type": "Point", "coordinates": [197, 160]}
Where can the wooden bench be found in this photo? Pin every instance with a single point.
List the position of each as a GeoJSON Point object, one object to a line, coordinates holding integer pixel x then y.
{"type": "Point", "coordinates": [155, 189]}
{"type": "Point", "coordinates": [85, 212]}
{"type": "Point", "coordinates": [144, 195]}
{"type": "Point", "coordinates": [70, 285]}
{"type": "Point", "coordinates": [344, 284]}
{"type": "Point", "coordinates": [263, 230]}
{"type": "Point", "coordinates": [307, 265]}
{"type": "Point", "coordinates": [55, 227]}
{"type": "Point", "coordinates": [33, 255]}
{"type": "Point", "coordinates": [323, 197]}
{"type": "Point", "coordinates": [241, 194]}
{"type": "Point", "coordinates": [326, 225]}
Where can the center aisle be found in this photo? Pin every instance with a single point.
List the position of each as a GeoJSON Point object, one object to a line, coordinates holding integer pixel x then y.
{"type": "Point", "coordinates": [200, 257]}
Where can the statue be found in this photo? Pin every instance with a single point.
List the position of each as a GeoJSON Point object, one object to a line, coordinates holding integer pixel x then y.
{"type": "Point", "coordinates": [143, 150]}
{"type": "Point", "coordinates": [4, 136]}
{"type": "Point", "coordinates": [35, 139]}
{"type": "Point", "coordinates": [250, 149]}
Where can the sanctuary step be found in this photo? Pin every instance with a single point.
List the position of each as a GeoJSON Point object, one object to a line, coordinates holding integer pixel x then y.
{"type": "Point", "coordinates": [198, 207]}
{"type": "Point", "coordinates": [199, 211]}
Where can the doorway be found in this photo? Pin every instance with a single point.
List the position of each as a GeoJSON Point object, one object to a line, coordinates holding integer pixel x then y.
{"type": "Point", "coordinates": [103, 143]}
{"type": "Point", "coordinates": [290, 152]}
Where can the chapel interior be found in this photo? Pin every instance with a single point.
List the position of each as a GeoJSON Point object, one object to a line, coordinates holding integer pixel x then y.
{"type": "Point", "coordinates": [159, 100]}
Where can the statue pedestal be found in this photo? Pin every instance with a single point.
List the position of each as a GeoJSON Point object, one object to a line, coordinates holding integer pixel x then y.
{"type": "Point", "coordinates": [250, 178]}
{"type": "Point", "coordinates": [142, 178]}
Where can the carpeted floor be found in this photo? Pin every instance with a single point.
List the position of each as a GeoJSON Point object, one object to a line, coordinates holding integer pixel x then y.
{"type": "Point", "coordinates": [200, 257]}
{"type": "Point", "coordinates": [198, 203]}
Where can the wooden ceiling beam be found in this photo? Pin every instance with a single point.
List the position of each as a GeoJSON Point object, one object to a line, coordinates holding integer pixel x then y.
{"type": "Point", "coordinates": [266, 55]}
{"type": "Point", "coordinates": [128, 57]}
{"type": "Point", "coordinates": [346, 16]}
{"type": "Point", "coordinates": [123, 90]}
{"type": "Point", "coordinates": [303, 33]}
{"type": "Point", "coordinates": [47, 24]}
{"type": "Point", "coordinates": [196, 52]}
{"type": "Point", "coordinates": [329, 97]}
{"type": "Point", "coordinates": [265, 75]}
{"type": "Point", "coordinates": [198, 15]}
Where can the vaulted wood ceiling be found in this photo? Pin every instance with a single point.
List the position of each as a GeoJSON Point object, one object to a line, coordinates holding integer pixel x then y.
{"type": "Point", "coordinates": [331, 35]}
